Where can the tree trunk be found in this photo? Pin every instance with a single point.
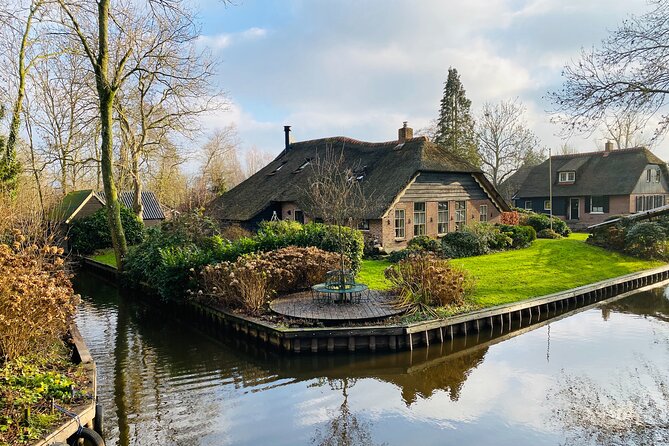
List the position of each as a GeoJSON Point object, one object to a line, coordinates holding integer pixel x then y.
{"type": "Point", "coordinates": [111, 196]}
{"type": "Point", "coordinates": [106, 94]}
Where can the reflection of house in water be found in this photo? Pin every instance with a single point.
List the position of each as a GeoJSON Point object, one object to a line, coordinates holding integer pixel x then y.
{"type": "Point", "coordinates": [449, 375]}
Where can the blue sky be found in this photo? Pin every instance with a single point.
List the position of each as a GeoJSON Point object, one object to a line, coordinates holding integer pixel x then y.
{"type": "Point", "coordinates": [360, 68]}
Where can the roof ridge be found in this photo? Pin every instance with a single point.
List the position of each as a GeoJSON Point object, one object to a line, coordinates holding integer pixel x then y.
{"type": "Point", "coordinates": [346, 139]}
{"type": "Point", "coordinates": [598, 152]}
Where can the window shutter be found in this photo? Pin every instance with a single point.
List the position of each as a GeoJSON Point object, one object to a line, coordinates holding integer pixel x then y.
{"type": "Point", "coordinates": [587, 204]}
{"type": "Point", "coordinates": [606, 204]}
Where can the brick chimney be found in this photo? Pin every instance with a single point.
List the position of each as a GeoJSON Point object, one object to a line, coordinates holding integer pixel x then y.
{"type": "Point", "coordinates": [404, 133]}
{"type": "Point", "coordinates": [608, 146]}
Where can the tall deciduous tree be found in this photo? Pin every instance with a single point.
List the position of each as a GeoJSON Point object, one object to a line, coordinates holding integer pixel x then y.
{"type": "Point", "coordinates": [455, 126]}
{"type": "Point", "coordinates": [626, 73]}
{"type": "Point", "coordinates": [505, 143]}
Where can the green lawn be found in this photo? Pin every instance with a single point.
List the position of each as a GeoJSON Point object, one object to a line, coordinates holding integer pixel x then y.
{"type": "Point", "coordinates": [548, 266]}
{"type": "Point", "coordinates": [105, 256]}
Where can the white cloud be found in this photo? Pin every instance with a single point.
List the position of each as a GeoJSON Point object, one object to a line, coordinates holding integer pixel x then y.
{"type": "Point", "coordinates": [225, 40]}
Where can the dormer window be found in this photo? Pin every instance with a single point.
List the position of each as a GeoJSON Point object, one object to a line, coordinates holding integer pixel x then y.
{"type": "Point", "coordinates": [278, 168]}
{"type": "Point", "coordinates": [658, 175]}
{"type": "Point", "coordinates": [567, 177]}
{"type": "Point", "coordinates": [303, 165]}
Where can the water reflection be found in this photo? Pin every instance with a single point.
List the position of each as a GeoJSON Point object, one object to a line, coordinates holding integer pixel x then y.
{"type": "Point", "coordinates": [162, 382]}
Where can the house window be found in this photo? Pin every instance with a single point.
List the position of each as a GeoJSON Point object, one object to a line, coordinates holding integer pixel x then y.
{"type": "Point", "coordinates": [547, 205]}
{"type": "Point", "coordinates": [649, 173]}
{"type": "Point", "coordinates": [648, 202]}
{"type": "Point", "coordinates": [528, 205]}
{"type": "Point", "coordinates": [658, 175]}
{"type": "Point", "coordinates": [460, 214]}
{"type": "Point", "coordinates": [299, 216]}
{"type": "Point", "coordinates": [363, 225]}
{"type": "Point", "coordinates": [399, 223]}
{"type": "Point", "coordinates": [442, 218]}
{"type": "Point", "coordinates": [278, 168]}
{"type": "Point", "coordinates": [418, 219]}
{"type": "Point", "coordinates": [304, 164]}
{"type": "Point", "coordinates": [567, 177]}
{"type": "Point", "coordinates": [483, 212]}
{"type": "Point", "coordinates": [596, 205]}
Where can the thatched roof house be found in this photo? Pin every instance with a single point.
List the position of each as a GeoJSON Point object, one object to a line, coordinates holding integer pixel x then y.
{"type": "Point", "coordinates": [590, 187]}
{"type": "Point", "coordinates": [412, 187]}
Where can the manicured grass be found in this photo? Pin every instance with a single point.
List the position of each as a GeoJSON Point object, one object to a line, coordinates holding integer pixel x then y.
{"type": "Point", "coordinates": [548, 266]}
{"type": "Point", "coordinates": [371, 274]}
{"type": "Point", "coordinates": [105, 256]}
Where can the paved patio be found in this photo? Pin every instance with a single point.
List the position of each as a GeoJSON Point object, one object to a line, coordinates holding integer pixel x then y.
{"type": "Point", "coordinates": [373, 305]}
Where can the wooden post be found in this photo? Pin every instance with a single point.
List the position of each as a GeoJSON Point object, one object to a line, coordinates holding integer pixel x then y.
{"type": "Point", "coordinates": [314, 345]}
{"type": "Point", "coordinates": [372, 343]}
{"type": "Point", "coordinates": [392, 342]}
{"type": "Point", "coordinates": [351, 344]}
{"type": "Point", "coordinates": [330, 344]}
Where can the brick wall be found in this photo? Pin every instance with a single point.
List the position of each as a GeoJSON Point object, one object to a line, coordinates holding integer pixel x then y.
{"type": "Point", "coordinates": [387, 231]}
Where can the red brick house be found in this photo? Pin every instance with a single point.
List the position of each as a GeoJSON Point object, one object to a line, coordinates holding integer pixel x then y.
{"type": "Point", "coordinates": [412, 186]}
{"type": "Point", "coordinates": [589, 188]}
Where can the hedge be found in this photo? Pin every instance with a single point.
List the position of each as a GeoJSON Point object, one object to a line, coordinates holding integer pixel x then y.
{"type": "Point", "coordinates": [91, 233]}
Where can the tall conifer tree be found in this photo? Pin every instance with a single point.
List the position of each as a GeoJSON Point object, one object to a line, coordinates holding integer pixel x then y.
{"type": "Point", "coordinates": [455, 126]}
{"type": "Point", "coordinates": [9, 165]}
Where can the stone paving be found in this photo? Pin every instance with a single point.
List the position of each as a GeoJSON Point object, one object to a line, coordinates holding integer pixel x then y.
{"type": "Point", "coordinates": [372, 305]}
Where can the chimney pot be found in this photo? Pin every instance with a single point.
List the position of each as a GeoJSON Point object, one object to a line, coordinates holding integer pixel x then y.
{"type": "Point", "coordinates": [608, 146]}
{"type": "Point", "coordinates": [286, 131]}
{"type": "Point", "coordinates": [404, 133]}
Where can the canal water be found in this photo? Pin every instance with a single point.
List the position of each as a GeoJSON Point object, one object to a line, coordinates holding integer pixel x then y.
{"type": "Point", "coordinates": [597, 377]}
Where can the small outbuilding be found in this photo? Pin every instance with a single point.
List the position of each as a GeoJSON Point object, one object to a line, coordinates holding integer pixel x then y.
{"type": "Point", "coordinates": [82, 203]}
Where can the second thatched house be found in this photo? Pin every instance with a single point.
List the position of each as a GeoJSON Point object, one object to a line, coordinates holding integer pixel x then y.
{"type": "Point", "coordinates": [412, 187]}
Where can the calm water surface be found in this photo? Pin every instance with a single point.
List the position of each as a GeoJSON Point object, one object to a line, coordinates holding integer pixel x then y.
{"type": "Point", "coordinates": [579, 380]}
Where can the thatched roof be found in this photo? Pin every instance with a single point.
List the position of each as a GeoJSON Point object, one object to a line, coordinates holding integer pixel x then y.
{"type": "Point", "coordinates": [388, 168]}
{"type": "Point", "coordinates": [597, 173]}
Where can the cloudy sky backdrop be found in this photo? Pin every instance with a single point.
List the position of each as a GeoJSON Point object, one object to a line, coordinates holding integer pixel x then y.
{"type": "Point", "coordinates": [360, 68]}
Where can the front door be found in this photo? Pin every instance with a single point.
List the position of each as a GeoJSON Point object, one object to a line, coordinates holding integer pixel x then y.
{"type": "Point", "coordinates": [573, 208]}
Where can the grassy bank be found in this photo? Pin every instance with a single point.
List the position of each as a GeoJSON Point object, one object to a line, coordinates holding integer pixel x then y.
{"type": "Point", "coordinates": [105, 256]}
{"type": "Point", "coordinates": [548, 266]}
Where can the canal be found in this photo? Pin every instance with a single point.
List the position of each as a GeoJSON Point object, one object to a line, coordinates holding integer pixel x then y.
{"type": "Point", "coordinates": [598, 377]}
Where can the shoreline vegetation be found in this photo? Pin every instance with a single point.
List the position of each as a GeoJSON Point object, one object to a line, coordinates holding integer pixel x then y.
{"type": "Point", "coordinates": [547, 266]}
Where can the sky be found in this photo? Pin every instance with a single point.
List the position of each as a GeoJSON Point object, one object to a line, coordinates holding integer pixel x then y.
{"type": "Point", "coordinates": [361, 68]}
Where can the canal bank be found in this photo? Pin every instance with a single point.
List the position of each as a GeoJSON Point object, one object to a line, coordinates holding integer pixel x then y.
{"type": "Point", "coordinates": [85, 419]}
{"type": "Point", "coordinates": [407, 336]}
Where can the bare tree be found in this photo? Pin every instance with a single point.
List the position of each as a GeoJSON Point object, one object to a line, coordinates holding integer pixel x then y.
{"type": "Point", "coordinates": [171, 86]}
{"type": "Point", "coordinates": [505, 142]}
{"type": "Point", "coordinates": [626, 128]}
{"type": "Point", "coordinates": [221, 169]}
{"type": "Point", "coordinates": [335, 191]}
{"type": "Point", "coordinates": [626, 74]}
{"type": "Point", "coordinates": [255, 159]}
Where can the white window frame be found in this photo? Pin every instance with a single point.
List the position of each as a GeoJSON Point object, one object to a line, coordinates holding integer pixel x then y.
{"type": "Point", "coordinates": [648, 175]}
{"type": "Point", "coordinates": [526, 207]}
{"type": "Point", "coordinates": [419, 219]}
{"type": "Point", "coordinates": [460, 214]}
{"type": "Point", "coordinates": [658, 175]}
{"type": "Point", "coordinates": [567, 177]}
{"type": "Point", "coordinates": [400, 224]}
{"type": "Point", "coordinates": [592, 206]}
{"type": "Point", "coordinates": [547, 205]}
{"type": "Point", "coordinates": [442, 217]}
{"type": "Point", "coordinates": [483, 213]}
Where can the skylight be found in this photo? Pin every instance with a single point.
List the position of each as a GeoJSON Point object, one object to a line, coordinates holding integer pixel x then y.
{"type": "Point", "coordinates": [277, 169]}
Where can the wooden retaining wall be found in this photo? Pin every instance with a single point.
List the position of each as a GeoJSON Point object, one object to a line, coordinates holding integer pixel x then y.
{"type": "Point", "coordinates": [371, 338]}
{"type": "Point", "coordinates": [506, 317]}
{"type": "Point", "coordinates": [86, 412]}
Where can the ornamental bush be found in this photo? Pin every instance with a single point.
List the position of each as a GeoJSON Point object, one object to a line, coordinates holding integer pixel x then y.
{"type": "Point", "coordinates": [547, 233]}
{"type": "Point", "coordinates": [36, 298]}
{"type": "Point", "coordinates": [92, 233]}
{"type": "Point", "coordinates": [423, 281]}
{"type": "Point", "coordinates": [647, 240]}
{"type": "Point", "coordinates": [251, 280]}
{"type": "Point", "coordinates": [463, 244]}
{"type": "Point", "coordinates": [423, 242]}
{"type": "Point", "coordinates": [170, 254]}
{"type": "Point", "coordinates": [521, 236]}
{"type": "Point", "coordinates": [543, 221]}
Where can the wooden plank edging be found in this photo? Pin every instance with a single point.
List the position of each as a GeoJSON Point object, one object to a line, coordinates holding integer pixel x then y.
{"type": "Point", "coordinates": [86, 412]}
